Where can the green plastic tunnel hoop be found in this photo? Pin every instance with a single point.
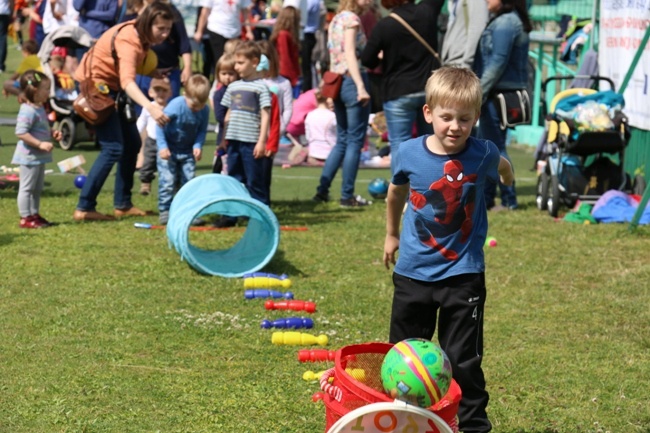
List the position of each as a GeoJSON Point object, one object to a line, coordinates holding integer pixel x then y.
{"type": "Point", "coordinates": [223, 195]}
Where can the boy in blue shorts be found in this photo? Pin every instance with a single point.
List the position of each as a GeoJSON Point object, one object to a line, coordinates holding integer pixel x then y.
{"type": "Point", "coordinates": [180, 141]}
{"type": "Point", "coordinates": [246, 125]}
{"type": "Point", "coordinates": [441, 267]}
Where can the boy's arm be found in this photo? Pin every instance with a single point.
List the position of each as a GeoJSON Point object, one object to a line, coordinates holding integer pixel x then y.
{"type": "Point", "coordinates": [260, 146]}
{"type": "Point", "coordinates": [161, 142]}
{"type": "Point", "coordinates": [201, 23]}
{"type": "Point", "coordinates": [505, 172]}
{"type": "Point", "coordinates": [161, 139]}
{"type": "Point", "coordinates": [226, 121]}
{"type": "Point", "coordinates": [200, 136]}
{"type": "Point", "coordinates": [395, 201]}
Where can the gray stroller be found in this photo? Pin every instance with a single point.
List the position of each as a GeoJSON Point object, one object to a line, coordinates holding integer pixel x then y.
{"type": "Point", "coordinates": [73, 128]}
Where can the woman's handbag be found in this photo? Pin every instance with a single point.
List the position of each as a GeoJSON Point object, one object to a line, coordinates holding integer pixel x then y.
{"type": "Point", "coordinates": [94, 103]}
{"type": "Point", "coordinates": [513, 107]}
{"type": "Point", "coordinates": [331, 85]}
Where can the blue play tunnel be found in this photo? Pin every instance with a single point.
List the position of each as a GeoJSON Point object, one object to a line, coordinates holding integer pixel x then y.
{"type": "Point", "coordinates": [216, 194]}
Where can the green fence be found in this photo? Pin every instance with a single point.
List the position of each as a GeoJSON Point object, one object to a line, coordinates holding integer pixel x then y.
{"type": "Point", "coordinates": [637, 153]}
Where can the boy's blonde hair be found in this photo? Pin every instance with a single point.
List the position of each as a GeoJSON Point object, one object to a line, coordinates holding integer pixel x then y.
{"type": "Point", "coordinates": [197, 88]}
{"type": "Point", "coordinates": [231, 46]}
{"type": "Point", "coordinates": [453, 86]}
{"type": "Point", "coordinates": [249, 49]}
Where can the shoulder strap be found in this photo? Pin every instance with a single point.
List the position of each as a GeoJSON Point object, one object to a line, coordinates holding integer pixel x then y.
{"type": "Point", "coordinates": [415, 34]}
{"type": "Point", "coordinates": [113, 51]}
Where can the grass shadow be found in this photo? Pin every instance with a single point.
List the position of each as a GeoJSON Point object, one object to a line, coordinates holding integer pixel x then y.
{"type": "Point", "coordinates": [308, 213]}
{"type": "Point", "coordinates": [280, 265]}
{"type": "Point", "coordinates": [6, 239]}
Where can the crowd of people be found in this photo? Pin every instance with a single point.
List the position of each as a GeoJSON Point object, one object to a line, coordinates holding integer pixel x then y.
{"type": "Point", "coordinates": [443, 166]}
{"type": "Point", "coordinates": [389, 57]}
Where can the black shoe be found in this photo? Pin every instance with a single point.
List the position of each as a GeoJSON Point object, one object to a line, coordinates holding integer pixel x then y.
{"type": "Point", "coordinates": [357, 201]}
{"type": "Point", "coordinates": [321, 198]}
{"type": "Point", "coordinates": [225, 222]}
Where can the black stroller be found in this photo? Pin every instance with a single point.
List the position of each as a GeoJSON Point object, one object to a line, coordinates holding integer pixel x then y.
{"type": "Point", "coordinates": [583, 154]}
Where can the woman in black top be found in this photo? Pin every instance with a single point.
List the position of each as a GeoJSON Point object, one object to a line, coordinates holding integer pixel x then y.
{"type": "Point", "coordinates": [406, 65]}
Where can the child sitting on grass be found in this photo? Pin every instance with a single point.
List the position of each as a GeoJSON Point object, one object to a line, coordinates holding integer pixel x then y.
{"type": "Point", "coordinates": [159, 90]}
{"type": "Point", "coordinates": [34, 147]}
{"type": "Point", "coordinates": [441, 267]}
{"type": "Point", "coordinates": [30, 61]}
{"type": "Point", "coordinates": [180, 141]}
{"type": "Point", "coordinates": [320, 129]}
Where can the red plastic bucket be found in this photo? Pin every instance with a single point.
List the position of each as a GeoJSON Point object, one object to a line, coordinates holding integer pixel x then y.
{"type": "Point", "coordinates": [345, 393]}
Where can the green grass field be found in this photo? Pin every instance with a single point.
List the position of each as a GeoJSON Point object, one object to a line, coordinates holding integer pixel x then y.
{"type": "Point", "coordinates": [104, 329]}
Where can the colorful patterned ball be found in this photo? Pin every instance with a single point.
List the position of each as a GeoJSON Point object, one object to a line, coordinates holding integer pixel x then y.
{"type": "Point", "coordinates": [416, 371]}
{"type": "Point", "coordinates": [378, 188]}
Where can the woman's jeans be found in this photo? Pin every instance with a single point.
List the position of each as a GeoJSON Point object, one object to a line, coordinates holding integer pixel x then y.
{"type": "Point", "coordinates": [401, 114]}
{"type": "Point", "coordinates": [120, 143]}
{"type": "Point", "coordinates": [351, 126]}
{"type": "Point", "coordinates": [489, 129]}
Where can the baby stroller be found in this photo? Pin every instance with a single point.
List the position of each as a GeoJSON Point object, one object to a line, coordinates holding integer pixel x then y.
{"type": "Point", "coordinates": [583, 152]}
{"type": "Point", "coordinates": [73, 128]}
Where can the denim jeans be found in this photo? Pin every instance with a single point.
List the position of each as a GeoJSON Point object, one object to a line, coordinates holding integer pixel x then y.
{"type": "Point", "coordinates": [175, 171]}
{"type": "Point", "coordinates": [401, 113]}
{"type": "Point", "coordinates": [120, 143]}
{"type": "Point", "coordinates": [489, 129]}
{"type": "Point", "coordinates": [246, 169]}
{"type": "Point", "coordinates": [351, 126]}
{"type": "Point", "coordinates": [5, 20]}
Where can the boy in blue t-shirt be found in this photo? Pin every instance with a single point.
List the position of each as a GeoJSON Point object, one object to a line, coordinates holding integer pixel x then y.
{"type": "Point", "coordinates": [441, 264]}
{"type": "Point", "coordinates": [180, 141]}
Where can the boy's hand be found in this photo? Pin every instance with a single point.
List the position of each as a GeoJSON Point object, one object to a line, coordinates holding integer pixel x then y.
{"type": "Point", "coordinates": [269, 153]}
{"type": "Point", "coordinates": [391, 245]}
{"type": "Point", "coordinates": [45, 146]}
{"type": "Point", "coordinates": [507, 180]}
{"type": "Point", "coordinates": [197, 154]}
{"type": "Point", "coordinates": [259, 150]}
{"type": "Point", "coordinates": [164, 153]}
{"type": "Point", "coordinates": [506, 175]}
{"type": "Point", "coordinates": [57, 135]}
